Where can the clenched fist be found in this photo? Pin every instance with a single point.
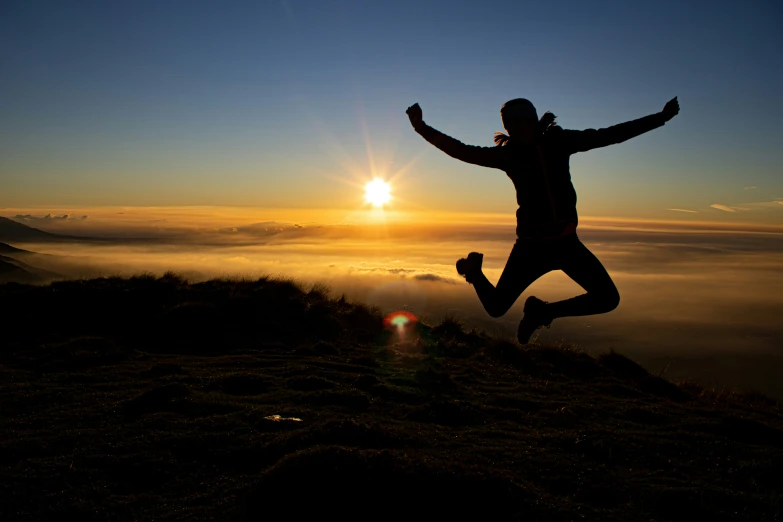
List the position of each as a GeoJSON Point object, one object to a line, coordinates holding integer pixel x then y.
{"type": "Point", "coordinates": [414, 114]}
{"type": "Point", "coordinates": [671, 109]}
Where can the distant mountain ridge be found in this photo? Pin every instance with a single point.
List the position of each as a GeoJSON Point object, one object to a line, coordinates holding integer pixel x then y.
{"type": "Point", "coordinates": [25, 272]}
{"type": "Point", "coordinates": [10, 230]}
{"type": "Point", "coordinates": [9, 250]}
{"type": "Point", "coordinates": [7, 268]}
{"type": "Point", "coordinates": [12, 269]}
{"type": "Point", "coordinates": [11, 272]}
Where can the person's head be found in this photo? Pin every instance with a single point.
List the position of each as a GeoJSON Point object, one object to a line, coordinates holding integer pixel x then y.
{"type": "Point", "coordinates": [520, 120]}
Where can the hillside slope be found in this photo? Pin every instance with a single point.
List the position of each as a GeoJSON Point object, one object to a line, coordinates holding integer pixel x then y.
{"type": "Point", "coordinates": [14, 271]}
{"type": "Point", "coordinates": [11, 231]}
{"type": "Point", "coordinates": [147, 398]}
{"type": "Point", "coordinates": [24, 272]}
{"type": "Point", "coordinates": [14, 232]}
{"type": "Point", "coordinates": [10, 272]}
{"type": "Point", "coordinates": [9, 250]}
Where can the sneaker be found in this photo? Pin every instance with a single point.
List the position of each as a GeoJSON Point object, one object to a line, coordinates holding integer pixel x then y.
{"type": "Point", "coordinates": [536, 316]}
{"type": "Point", "coordinates": [471, 266]}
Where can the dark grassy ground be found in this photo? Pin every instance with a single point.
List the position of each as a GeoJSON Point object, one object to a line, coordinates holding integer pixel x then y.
{"type": "Point", "coordinates": [145, 398]}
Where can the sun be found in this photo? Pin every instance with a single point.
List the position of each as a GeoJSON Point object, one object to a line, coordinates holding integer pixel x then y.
{"type": "Point", "coordinates": [377, 192]}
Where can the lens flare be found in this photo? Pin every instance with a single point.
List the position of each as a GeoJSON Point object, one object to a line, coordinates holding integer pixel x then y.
{"type": "Point", "coordinates": [399, 320]}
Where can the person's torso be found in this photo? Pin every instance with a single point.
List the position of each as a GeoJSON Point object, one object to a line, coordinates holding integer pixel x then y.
{"type": "Point", "coordinates": [545, 194]}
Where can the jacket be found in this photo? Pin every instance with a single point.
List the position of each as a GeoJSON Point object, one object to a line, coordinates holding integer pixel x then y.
{"type": "Point", "coordinates": [540, 170]}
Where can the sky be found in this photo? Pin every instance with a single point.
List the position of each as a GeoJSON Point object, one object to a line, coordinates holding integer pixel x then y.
{"type": "Point", "coordinates": [296, 104]}
{"type": "Point", "coordinates": [237, 138]}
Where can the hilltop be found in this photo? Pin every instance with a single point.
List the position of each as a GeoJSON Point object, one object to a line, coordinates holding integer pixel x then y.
{"type": "Point", "coordinates": [149, 397]}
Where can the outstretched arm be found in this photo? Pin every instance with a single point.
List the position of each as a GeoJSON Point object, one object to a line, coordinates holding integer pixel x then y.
{"type": "Point", "coordinates": [581, 141]}
{"type": "Point", "coordinates": [483, 156]}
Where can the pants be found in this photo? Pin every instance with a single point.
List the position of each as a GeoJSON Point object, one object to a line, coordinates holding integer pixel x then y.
{"type": "Point", "coordinates": [530, 259]}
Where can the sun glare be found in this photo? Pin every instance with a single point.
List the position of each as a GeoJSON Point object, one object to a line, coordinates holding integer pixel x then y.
{"type": "Point", "coordinates": [377, 192]}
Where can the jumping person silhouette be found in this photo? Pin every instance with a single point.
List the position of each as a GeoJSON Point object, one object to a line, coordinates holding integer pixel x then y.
{"type": "Point", "coordinates": [535, 155]}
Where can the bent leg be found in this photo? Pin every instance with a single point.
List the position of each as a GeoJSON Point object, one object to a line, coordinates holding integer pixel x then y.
{"type": "Point", "coordinates": [522, 269]}
{"type": "Point", "coordinates": [587, 271]}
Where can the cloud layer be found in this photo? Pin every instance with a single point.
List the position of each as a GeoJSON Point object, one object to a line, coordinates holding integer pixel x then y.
{"type": "Point", "coordinates": [48, 218]}
{"type": "Point", "coordinates": [688, 288]}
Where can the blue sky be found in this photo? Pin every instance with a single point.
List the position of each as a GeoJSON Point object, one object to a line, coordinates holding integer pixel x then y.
{"type": "Point", "coordinates": [274, 103]}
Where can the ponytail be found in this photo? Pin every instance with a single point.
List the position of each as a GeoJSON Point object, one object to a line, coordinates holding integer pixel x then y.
{"type": "Point", "coordinates": [501, 139]}
{"type": "Point", "coordinates": [546, 121]}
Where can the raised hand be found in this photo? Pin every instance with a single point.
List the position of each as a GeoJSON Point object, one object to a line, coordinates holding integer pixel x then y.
{"type": "Point", "coordinates": [671, 109]}
{"type": "Point", "coordinates": [414, 114]}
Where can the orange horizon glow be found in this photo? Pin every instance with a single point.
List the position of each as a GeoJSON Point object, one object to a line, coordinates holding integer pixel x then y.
{"type": "Point", "coordinates": [217, 216]}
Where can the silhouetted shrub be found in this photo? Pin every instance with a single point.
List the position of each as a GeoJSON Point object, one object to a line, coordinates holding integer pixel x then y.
{"type": "Point", "coordinates": [449, 328]}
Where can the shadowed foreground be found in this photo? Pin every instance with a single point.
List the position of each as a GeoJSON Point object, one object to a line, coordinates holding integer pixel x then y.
{"type": "Point", "coordinates": [127, 399]}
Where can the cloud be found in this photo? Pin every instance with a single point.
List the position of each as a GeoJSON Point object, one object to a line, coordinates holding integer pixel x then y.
{"type": "Point", "coordinates": [48, 217]}
{"type": "Point", "coordinates": [413, 273]}
{"type": "Point", "coordinates": [688, 286]}
{"type": "Point", "coordinates": [767, 204]}
{"type": "Point", "coordinates": [395, 271]}
{"type": "Point", "coordinates": [336, 235]}
{"type": "Point", "coordinates": [751, 187]}
{"type": "Point", "coordinates": [755, 206]}
{"type": "Point", "coordinates": [435, 277]}
{"type": "Point", "coordinates": [727, 208]}
{"type": "Point", "coordinates": [683, 210]}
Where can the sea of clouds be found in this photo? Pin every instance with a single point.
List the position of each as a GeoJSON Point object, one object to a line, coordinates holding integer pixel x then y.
{"type": "Point", "coordinates": [697, 299]}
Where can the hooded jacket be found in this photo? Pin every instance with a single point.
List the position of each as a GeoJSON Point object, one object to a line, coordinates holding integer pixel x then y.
{"type": "Point", "coordinates": [540, 170]}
